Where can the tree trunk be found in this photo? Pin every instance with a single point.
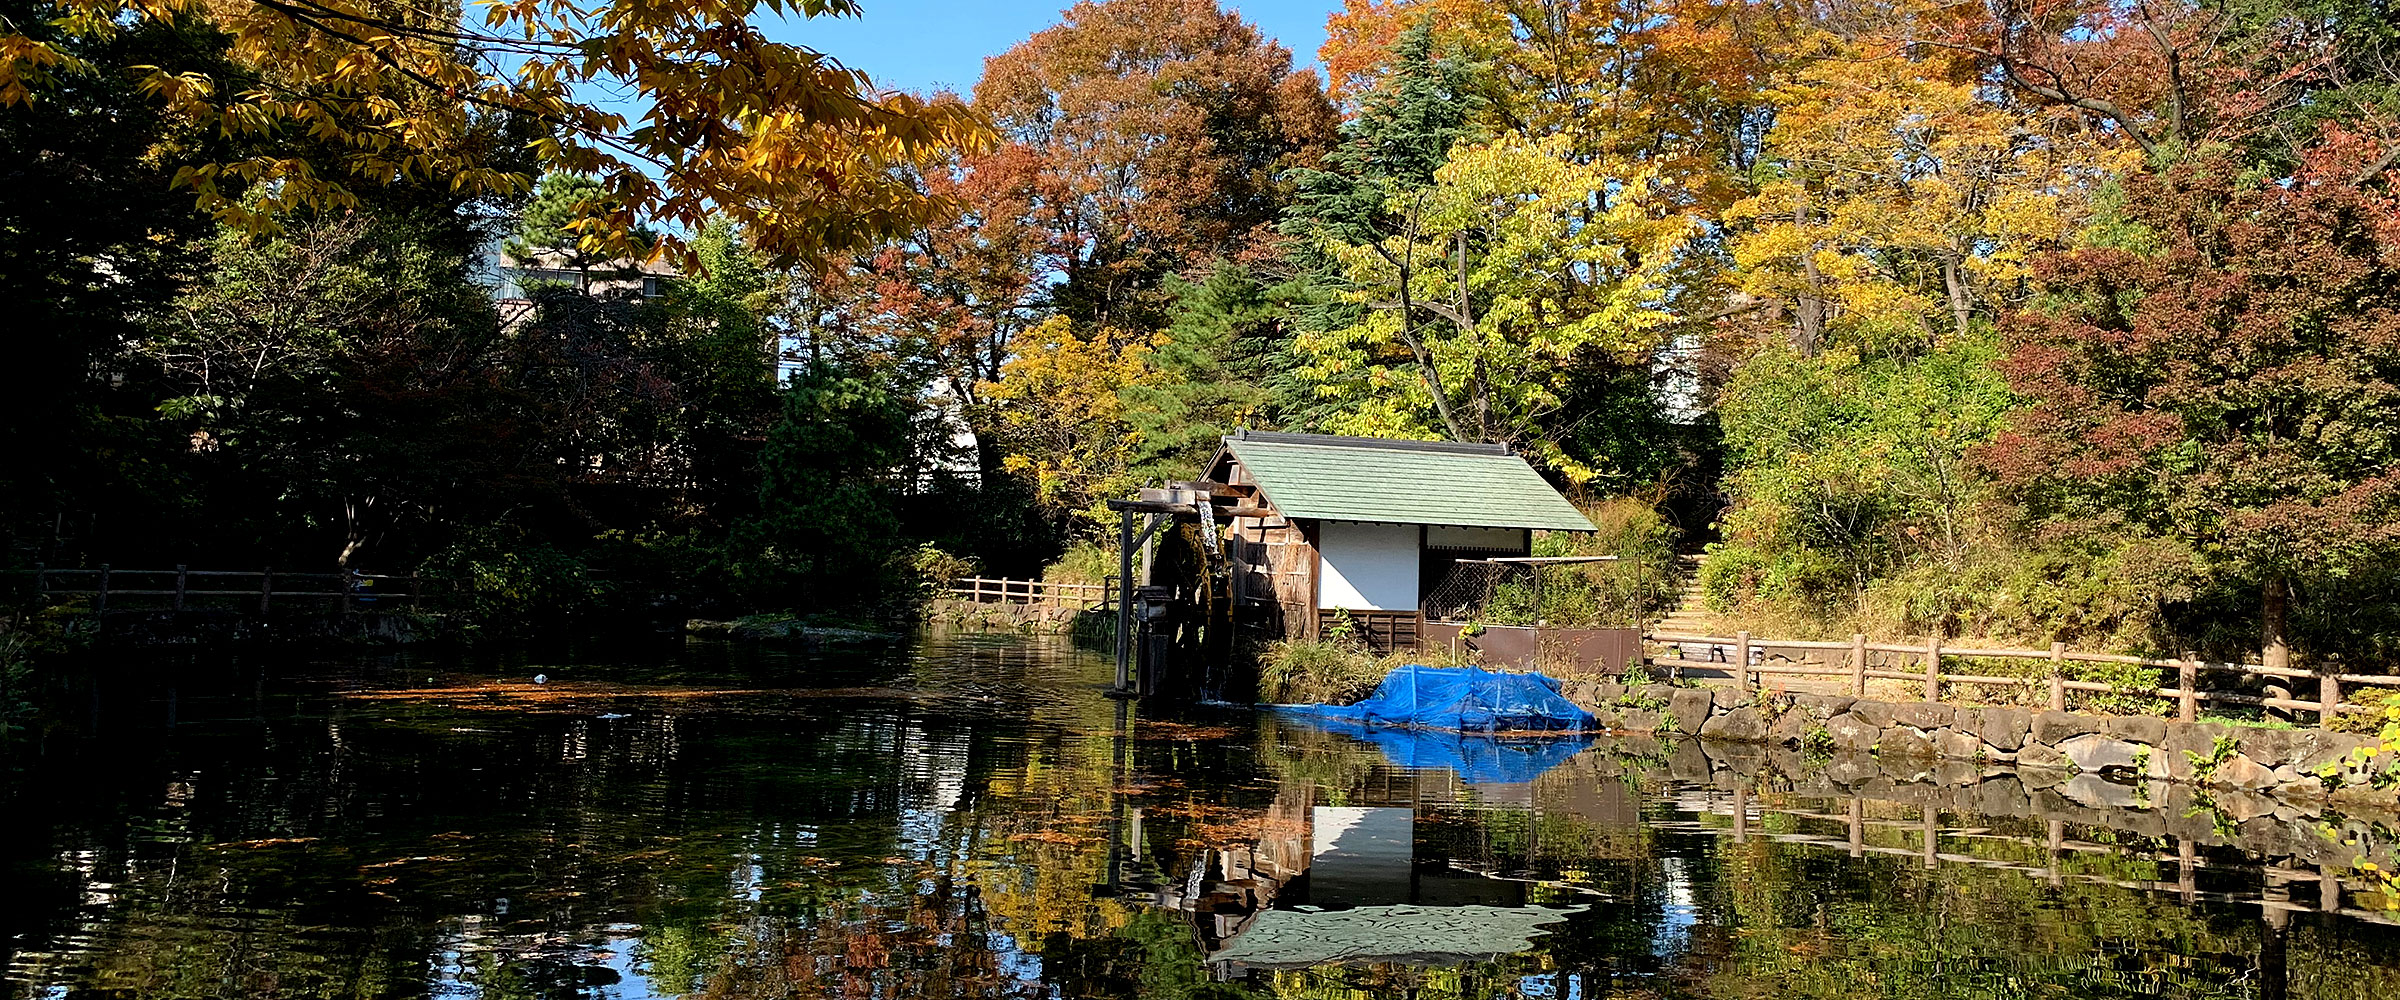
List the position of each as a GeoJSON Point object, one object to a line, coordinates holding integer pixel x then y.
{"type": "Point", "coordinates": [1962, 305]}
{"type": "Point", "coordinates": [1808, 336]}
{"type": "Point", "coordinates": [2275, 647]}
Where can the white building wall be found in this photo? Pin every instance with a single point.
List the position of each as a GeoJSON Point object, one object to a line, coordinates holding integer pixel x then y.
{"type": "Point", "coordinates": [1367, 567]}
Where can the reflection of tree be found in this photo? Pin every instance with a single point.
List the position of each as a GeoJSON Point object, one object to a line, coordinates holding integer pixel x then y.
{"type": "Point", "coordinates": [937, 944]}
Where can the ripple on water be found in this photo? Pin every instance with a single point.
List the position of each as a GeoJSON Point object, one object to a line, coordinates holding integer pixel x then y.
{"type": "Point", "coordinates": [967, 816]}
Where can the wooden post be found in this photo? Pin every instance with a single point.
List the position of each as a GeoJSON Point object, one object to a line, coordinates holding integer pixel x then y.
{"type": "Point", "coordinates": [416, 592]}
{"type": "Point", "coordinates": [1124, 600]}
{"type": "Point", "coordinates": [1858, 664]}
{"type": "Point", "coordinates": [2187, 694]}
{"type": "Point", "coordinates": [41, 580]}
{"type": "Point", "coordinates": [2187, 869]}
{"type": "Point", "coordinates": [1741, 813]}
{"type": "Point", "coordinates": [266, 589]}
{"type": "Point", "coordinates": [1933, 667]}
{"type": "Point", "coordinates": [2058, 677]}
{"type": "Point", "coordinates": [1933, 839]}
{"type": "Point", "coordinates": [101, 602]}
{"type": "Point", "coordinates": [179, 576]}
{"type": "Point", "coordinates": [1741, 661]}
{"type": "Point", "coordinates": [2329, 697]}
{"type": "Point", "coordinates": [1858, 827]}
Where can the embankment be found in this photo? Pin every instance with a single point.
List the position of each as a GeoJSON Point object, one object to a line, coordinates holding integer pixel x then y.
{"type": "Point", "coordinates": [2108, 758]}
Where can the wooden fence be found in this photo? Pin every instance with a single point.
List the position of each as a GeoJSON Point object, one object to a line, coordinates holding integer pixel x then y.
{"type": "Point", "coordinates": [986, 590]}
{"type": "Point", "coordinates": [248, 589]}
{"type": "Point", "coordinates": [1743, 655]}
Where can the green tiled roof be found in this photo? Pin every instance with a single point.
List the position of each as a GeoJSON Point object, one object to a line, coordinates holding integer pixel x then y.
{"type": "Point", "coordinates": [1401, 482]}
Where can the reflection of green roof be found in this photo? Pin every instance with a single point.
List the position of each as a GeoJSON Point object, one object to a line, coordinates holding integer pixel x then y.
{"type": "Point", "coordinates": [1415, 935]}
{"type": "Point", "coordinates": [1401, 482]}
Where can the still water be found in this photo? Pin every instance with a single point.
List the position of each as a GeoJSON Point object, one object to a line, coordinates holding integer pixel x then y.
{"type": "Point", "coordinates": [971, 816]}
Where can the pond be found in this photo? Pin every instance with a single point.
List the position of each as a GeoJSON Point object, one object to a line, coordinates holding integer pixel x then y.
{"type": "Point", "coordinates": [973, 816]}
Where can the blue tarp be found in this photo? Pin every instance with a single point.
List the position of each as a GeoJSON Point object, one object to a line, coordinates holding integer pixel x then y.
{"type": "Point", "coordinates": [1463, 699]}
{"type": "Point", "coordinates": [1477, 758]}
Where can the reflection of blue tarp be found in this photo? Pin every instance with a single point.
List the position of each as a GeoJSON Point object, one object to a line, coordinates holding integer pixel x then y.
{"type": "Point", "coordinates": [1467, 699]}
{"type": "Point", "coordinates": [1477, 758]}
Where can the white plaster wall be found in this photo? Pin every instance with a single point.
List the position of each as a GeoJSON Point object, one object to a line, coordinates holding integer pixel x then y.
{"type": "Point", "coordinates": [1367, 567]}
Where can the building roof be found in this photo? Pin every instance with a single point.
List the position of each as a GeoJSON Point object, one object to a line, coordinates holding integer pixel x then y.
{"type": "Point", "coordinates": [1400, 482]}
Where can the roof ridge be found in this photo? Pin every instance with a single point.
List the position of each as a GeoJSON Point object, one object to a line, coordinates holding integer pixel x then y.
{"type": "Point", "coordinates": [1387, 444]}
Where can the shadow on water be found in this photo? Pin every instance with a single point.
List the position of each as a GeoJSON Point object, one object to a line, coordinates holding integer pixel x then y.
{"type": "Point", "coordinates": [970, 816]}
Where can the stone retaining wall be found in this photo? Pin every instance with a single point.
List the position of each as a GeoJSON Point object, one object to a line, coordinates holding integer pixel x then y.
{"type": "Point", "coordinates": [2299, 764]}
{"type": "Point", "coordinates": [1051, 619]}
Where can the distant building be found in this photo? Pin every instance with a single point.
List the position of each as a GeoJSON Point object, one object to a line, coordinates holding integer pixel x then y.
{"type": "Point", "coordinates": [605, 279]}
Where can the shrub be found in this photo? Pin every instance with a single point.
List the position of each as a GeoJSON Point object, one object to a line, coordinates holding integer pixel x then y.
{"type": "Point", "coordinates": [1318, 672]}
{"type": "Point", "coordinates": [1083, 562]}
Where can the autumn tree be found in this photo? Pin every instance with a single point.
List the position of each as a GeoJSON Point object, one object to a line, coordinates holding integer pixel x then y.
{"type": "Point", "coordinates": [1063, 421]}
{"type": "Point", "coordinates": [1512, 263]}
{"type": "Point", "coordinates": [950, 299]}
{"type": "Point", "coordinates": [782, 140]}
{"type": "Point", "coordinates": [1162, 130]}
{"type": "Point", "coordinates": [1897, 203]}
{"type": "Point", "coordinates": [2221, 371]}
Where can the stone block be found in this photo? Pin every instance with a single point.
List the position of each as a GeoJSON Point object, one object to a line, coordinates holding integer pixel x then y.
{"type": "Point", "coordinates": [2269, 747]}
{"type": "Point", "coordinates": [1967, 720]}
{"type": "Point", "coordinates": [2005, 728]}
{"type": "Point", "coordinates": [2242, 772]}
{"type": "Point", "coordinates": [2041, 755]}
{"type": "Point", "coordinates": [1903, 741]}
{"type": "Point", "coordinates": [1878, 714]}
{"type": "Point", "coordinates": [1743, 725]}
{"type": "Point", "coordinates": [2138, 729]}
{"type": "Point", "coordinates": [1791, 728]}
{"type": "Point", "coordinates": [2055, 728]}
{"type": "Point", "coordinates": [1691, 708]}
{"type": "Point", "coordinates": [1923, 715]}
{"type": "Point", "coordinates": [2333, 748]}
{"type": "Point", "coordinates": [1728, 699]}
{"type": "Point", "coordinates": [1636, 721]}
{"type": "Point", "coordinates": [1852, 733]}
{"type": "Point", "coordinates": [2094, 753]}
{"type": "Point", "coordinates": [1958, 745]}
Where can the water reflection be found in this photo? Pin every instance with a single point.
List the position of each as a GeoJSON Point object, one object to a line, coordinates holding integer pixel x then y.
{"type": "Point", "coordinates": [972, 817]}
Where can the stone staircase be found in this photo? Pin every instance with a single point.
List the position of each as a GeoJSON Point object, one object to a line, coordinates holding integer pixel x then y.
{"type": "Point", "coordinates": [1691, 615]}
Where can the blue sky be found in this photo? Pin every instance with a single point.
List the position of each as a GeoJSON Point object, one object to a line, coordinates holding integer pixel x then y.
{"type": "Point", "coordinates": [926, 44]}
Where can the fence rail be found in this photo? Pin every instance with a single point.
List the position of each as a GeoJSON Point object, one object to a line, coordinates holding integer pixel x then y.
{"type": "Point", "coordinates": [996, 590]}
{"type": "Point", "coordinates": [262, 588]}
{"type": "Point", "coordinates": [1746, 657]}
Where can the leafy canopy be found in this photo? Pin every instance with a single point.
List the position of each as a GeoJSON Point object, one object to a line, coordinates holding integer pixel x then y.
{"type": "Point", "coordinates": [801, 152]}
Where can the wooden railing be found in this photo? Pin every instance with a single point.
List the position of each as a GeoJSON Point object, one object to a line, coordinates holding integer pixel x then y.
{"type": "Point", "coordinates": [260, 589]}
{"type": "Point", "coordinates": [1742, 656]}
{"type": "Point", "coordinates": [992, 590]}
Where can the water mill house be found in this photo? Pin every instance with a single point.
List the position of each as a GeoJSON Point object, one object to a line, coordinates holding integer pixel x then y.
{"type": "Point", "coordinates": [1306, 534]}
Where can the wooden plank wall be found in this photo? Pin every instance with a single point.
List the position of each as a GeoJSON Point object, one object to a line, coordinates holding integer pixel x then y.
{"type": "Point", "coordinates": [1381, 631]}
{"type": "Point", "coordinates": [1274, 569]}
